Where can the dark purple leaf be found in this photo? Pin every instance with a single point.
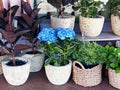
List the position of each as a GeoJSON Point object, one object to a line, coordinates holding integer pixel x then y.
{"type": "Point", "coordinates": [27, 19]}
{"type": "Point", "coordinates": [21, 32]}
{"type": "Point", "coordinates": [26, 7]}
{"type": "Point", "coordinates": [9, 36]}
{"type": "Point", "coordinates": [13, 11]}
{"type": "Point", "coordinates": [35, 13]}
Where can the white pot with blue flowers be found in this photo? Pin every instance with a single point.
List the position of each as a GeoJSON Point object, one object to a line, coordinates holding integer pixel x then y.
{"type": "Point", "coordinates": [57, 45]}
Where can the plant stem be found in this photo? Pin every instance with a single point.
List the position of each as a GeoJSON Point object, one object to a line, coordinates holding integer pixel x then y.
{"type": "Point", "coordinates": [61, 10]}
{"type": "Point", "coordinates": [33, 48]}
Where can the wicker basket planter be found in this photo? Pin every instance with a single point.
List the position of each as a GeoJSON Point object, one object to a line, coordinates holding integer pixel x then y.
{"type": "Point", "coordinates": [115, 23]}
{"type": "Point", "coordinates": [58, 75]}
{"type": "Point", "coordinates": [66, 22]}
{"type": "Point", "coordinates": [92, 27]}
{"type": "Point", "coordinates": [114, 78]}
{"type": "Point", "coordinates": [86, 77]}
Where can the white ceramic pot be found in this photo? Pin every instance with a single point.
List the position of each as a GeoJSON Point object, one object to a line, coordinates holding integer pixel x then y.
{"type": "Point", "coordinates": [16, 75]}
{"type": "Point", "coordinates": [66, 22]}
{"type": "Point", "coordinates": [58, 75]}
{"type": "Point", "coordinates": [36, 60]}
{"type": "Point", "coordinates": [92, 27]}
{"type": "Point", "coordinates": [115, 23]}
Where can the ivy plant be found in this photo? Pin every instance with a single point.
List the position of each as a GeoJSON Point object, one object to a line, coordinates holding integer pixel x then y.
{"type": "Point", "coordinates": [113, 58]}
{"type": "Point", "coordinates": [113, 6]}
{"type": "Point", "coordinates": [88, 8]}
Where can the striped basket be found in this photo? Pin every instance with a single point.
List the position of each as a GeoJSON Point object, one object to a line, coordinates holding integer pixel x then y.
{"type": "Point", "coordinates": [86, 77]}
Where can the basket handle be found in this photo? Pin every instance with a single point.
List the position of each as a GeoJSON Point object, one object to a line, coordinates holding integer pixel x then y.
{"type": "Point", "coordinates": [76, 62]}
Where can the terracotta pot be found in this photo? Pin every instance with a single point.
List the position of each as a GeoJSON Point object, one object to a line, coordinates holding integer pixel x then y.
{"type": "Point", "coordinates": [115, 23]}
{"type": "Point", "coordinates": [58, 75]}
{"type": "Point", "coordinates": [66, 22]}
{"type": "Point", "coordinates": [92, 27]}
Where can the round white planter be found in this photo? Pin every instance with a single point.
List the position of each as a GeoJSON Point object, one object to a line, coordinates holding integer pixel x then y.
{"type": "Point", "coordinates": [92, 27]}
{"type": "Point", "coordinates": [36, 60]}
{"type": "Point", "coordinates": [16, 75]}
{"type": "Point", "coordinates": [115, 23]}
{"type": "Point", "coordinates": [58, 75]}
{"type": "Point", "coordinates": [66, 22]}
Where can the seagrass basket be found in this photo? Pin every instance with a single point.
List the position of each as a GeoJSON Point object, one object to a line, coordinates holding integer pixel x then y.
{"type": "Point", "coordinates": [86, 77]}
{"type": "Point", "coordinates": [114, 78]}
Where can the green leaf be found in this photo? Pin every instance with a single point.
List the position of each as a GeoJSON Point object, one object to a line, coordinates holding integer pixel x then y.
{"type": "Point", "coordinates": [117, 70]}
{"type": "Point", "coordinates": [114, 64]}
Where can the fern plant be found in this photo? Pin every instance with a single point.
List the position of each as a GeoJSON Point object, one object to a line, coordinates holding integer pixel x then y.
{"type": "Point", "coordinates": [89, 53]}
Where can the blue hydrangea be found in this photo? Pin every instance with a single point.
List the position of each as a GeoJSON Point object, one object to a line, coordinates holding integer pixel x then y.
{"type": "Point", "coordinates": [64, 33]}
{"type": "Point", "coordinates": [47, 34]}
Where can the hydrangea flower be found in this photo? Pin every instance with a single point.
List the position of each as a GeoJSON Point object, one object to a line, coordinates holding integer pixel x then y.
{"type": "Point", "coordinates": [64, 33]}
{"type": "Point", "coordinates": [48, 35]}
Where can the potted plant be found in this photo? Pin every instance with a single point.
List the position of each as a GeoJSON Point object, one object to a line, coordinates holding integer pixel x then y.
{"type": "Point", "coordinates": [91, 23]}
{"type": "Point", "coordinates": [60, 19]}
{"type": "Point", "coordinates": [87, 66]}
{"type": "Point", "coordinates": [15, 69]}
{"type": "Point", "coordinates": [113, 65]}
{"type": "Point", "coordinates": [57, 45]}
{"type": "Point", "coordinates": [31, 22]}
{"type": "Point", "coordinates": [114, 11]}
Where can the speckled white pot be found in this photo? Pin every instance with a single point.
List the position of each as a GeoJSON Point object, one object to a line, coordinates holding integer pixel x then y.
{"type": "Point", "coordinates": [66, 22]}
{"type": "Point", "coordinates": [16, 75]}
{"type": "Point", "coordinates": [58, 75]}
{"type": "Point", "coordinates": [36, 60]}
{"type": "Point", "coordinates": [115, 23]}
{"type": "Point", "coordinates": [92, 27]}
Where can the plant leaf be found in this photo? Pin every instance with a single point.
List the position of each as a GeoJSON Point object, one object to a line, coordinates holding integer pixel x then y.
{"type": "Point", "coordinates": [13, 11]}
{"type": "Point", "coordinates": [9, 36]}
{"type": "Point", "coordinates": [26, 7]}
{"type": "Point", "coordinates": [34, 13]}
{"type": "Point", "coordinates": [27, 19]}
{"type": "Point", "coordinates": [21, 32]}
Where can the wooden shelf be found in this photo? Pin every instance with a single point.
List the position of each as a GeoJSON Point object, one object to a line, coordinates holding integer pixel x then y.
{"type": "Point", "coordinates": [105, 36]}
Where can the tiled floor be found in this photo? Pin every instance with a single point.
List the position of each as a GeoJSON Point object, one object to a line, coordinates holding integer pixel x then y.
{"type": "Point", "coordinates": [38, 81]}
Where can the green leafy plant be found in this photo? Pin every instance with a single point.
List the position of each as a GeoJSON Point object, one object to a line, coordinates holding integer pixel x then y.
{"type": "Point", "coordinates": [57, 45]}
{"type": "Point", "coordinates": [89, 53]}
{"type": "Point", "coordinates": [30, 21]}
{"type": "Point", "coordinates": [10, 33]}
{"type": "Point", "coordinates": [113, 58]}
{"type": "Point", "coordinates": [88, 8]}
{"type": "Point", "coordinates": [59, 4]}
{"type": "Point", "coordinates": [113, 6]}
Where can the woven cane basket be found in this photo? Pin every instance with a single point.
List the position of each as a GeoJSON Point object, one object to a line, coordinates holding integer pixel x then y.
{"type": "Point", "coordinates": [114, 78]}
{"type": "Point", "coordinates": [86, 77]}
